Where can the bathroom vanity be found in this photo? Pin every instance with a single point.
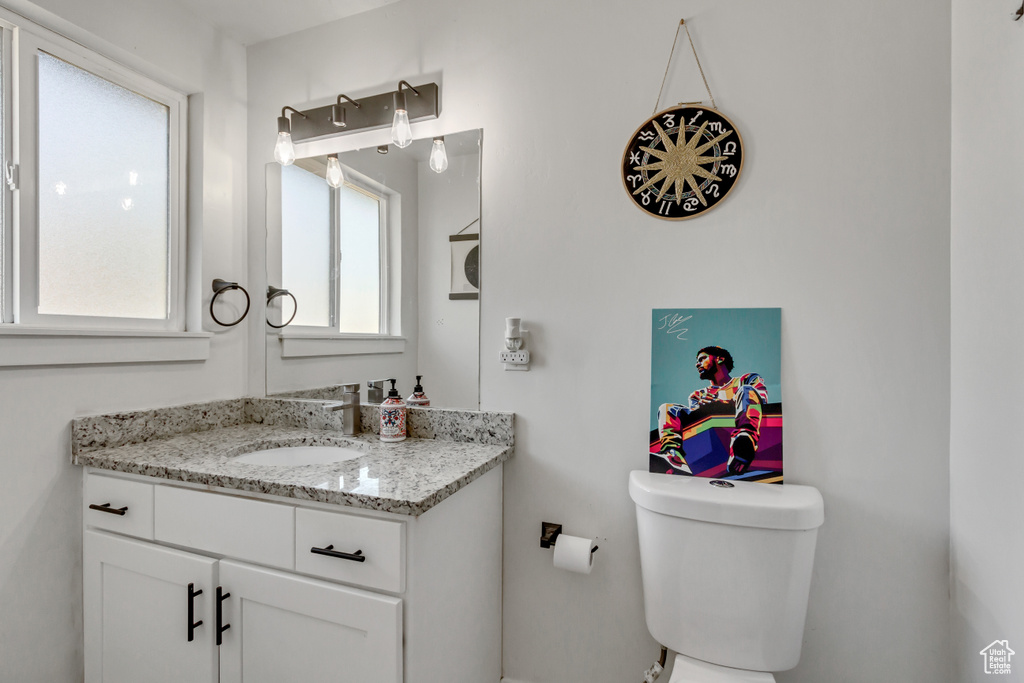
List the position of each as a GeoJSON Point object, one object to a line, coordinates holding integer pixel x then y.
{"type": "Point", "coordinates": [384, 568]}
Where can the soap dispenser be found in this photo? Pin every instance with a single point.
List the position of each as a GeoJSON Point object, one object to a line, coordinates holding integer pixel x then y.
{"type": "Point", "coordinates": [418, 398]}
{"type": "Point", "coordinates": [392, 416]}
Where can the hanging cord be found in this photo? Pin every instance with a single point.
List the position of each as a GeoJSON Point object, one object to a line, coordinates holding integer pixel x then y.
{"type": "Point", "coordinates": [682, 22]}
{"type": "Point", "coordinates": [467, 227]}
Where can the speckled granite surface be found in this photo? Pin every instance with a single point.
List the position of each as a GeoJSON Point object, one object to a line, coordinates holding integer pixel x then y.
{"type": "Point", "coordinates": [467, 426]}
{"type": "Point", "coordinates": [424, 423]}
{"type": "Point", "coordinates": [118, 429]}
{"type": "Point", "coordinates": [196, 443]}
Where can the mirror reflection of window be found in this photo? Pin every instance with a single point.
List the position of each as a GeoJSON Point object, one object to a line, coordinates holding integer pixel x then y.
{"type": "Point", "coordinates": [306, 244]}
{"type": "Point", "coordinates": [361, 219]}
{"type": "Point", "coordinates": [310, 228]}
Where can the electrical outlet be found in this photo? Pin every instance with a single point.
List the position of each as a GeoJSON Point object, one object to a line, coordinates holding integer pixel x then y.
{"type": "Point", "coordinates": [515, 357]}
{"type": "Point", "coordinates": [515, 360]}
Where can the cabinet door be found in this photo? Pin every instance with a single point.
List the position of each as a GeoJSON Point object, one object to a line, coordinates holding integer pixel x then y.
{"type": "Point", "coordinates": [290, 628]}
{"type": "Point", "coordinates": [136, 602]}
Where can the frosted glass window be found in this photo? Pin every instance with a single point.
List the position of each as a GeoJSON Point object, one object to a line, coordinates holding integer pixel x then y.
{"type": "Point", "coordinates": [360, 261]}
{"type": "Point", "coordinates": [306, 245]}
{"type": "Point", "coordinates": [104, 224]}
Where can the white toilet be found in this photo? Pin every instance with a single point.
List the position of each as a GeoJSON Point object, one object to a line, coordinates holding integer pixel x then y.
{"type": "Point", "coordinates": [726, 570]}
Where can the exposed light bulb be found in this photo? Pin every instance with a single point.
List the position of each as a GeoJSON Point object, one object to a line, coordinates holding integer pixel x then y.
{"type": "Point", "coordinates": [401, 131]}
{"type": "Point", "coordinates": [133, 178]}
{"type": "Point", "coordinates": [60, 187]}
{"type": "Point", "coordinates": [334, 175]}
{"type": "Point", "coordinates": [438, 156]}
{"type": "Point", "coordinates": [284, 150]}
{"type": "Point", "coordinates": [127, 203]}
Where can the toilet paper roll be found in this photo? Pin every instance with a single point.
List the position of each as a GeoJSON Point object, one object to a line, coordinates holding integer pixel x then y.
{"type": "Point", "coordinates": [574, 553]}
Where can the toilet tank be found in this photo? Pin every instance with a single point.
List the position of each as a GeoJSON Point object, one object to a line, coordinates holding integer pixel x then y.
{"type": "Point", "coordinates": [727, 569]}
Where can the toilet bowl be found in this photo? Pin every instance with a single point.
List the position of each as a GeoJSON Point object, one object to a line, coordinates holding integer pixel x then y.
{"type": "Point", "coordinates": [726, 571]}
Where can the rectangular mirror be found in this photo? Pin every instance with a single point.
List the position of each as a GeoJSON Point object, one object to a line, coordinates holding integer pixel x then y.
{"type": "Point", "coordinates": [380, 274]}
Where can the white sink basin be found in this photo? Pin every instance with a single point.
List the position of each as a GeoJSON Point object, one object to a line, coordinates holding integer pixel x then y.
{"type": "Point", "coordinates": [291, 456]}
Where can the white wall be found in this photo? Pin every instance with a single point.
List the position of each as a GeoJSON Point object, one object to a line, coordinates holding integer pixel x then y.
{"type": "Point", "coordinates": [841, 218]}
{"type": "Point", "coordinates": [987, 248]}
{"type": "Point", "coordinates": [449, 358]}
{"type": "Point", "coordinates": [40, 491]}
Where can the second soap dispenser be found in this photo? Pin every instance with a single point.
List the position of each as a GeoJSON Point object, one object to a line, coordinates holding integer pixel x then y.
{"type": "Point", "coordinates": [393, 415]}
{"type": "Point", "coordinates": [417, 397]}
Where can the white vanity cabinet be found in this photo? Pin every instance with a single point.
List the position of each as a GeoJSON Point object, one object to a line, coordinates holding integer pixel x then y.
{"type": "Point", "coordinates": [186, 584]}
{"type": "Point", "coordinates": [137, 609]}
{"type": "Point", "coordinates": [291, 628]}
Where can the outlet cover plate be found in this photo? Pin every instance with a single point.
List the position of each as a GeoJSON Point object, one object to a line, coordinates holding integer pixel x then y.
{"type": "Point", "coordinates": [515, 360]}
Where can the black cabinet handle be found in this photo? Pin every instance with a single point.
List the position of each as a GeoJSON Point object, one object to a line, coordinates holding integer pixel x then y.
{"type": "Point", "coordinates": [357, 556]}
{"type": "Point", "coordinates": [106, 508]}
{"type": "Point", "coordinates": [221, 626]}
{"type": "Point", "coordinates": [192, 593]}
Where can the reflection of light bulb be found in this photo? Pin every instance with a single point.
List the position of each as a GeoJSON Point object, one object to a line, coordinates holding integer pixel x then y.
{"type": "Point", "coordinates": [127, 204]}
{"type": "Point", "coordinates": [133, 178]}
{"type": "Point", "coordinates": [334, 175]}
{"type": "Point", "coordinates": [438, 156]}
{"type": "Point", "coordinates": [60, 187]}
{"type": "Point", "coordinates": [401, 131]}
{"type": "Point", "coordinates": [284, 151]}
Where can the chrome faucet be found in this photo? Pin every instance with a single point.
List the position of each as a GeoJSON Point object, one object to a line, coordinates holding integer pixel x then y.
{"type": "Point", "coordinates": [375, 393]}
{"type": "Point", "coordinates": [350, 409]}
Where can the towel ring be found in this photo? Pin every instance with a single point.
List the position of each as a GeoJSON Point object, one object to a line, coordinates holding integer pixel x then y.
{"type": "Point", "coordinates": [276, 292]}
{"type": "Point", "coordinates": [221, 286]}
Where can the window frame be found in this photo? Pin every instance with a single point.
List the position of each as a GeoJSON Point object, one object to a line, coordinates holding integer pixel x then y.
{"type": "Point", "coordinates": [8, 152]}
{"type": "Point", "coordinates": [26, 227]}
{"type": "Point", "coordinates": [385, 197]}
{"type": "Point", "coordinates": [54, 343]}
{"type": "Point", "coordinates": [308, 340]}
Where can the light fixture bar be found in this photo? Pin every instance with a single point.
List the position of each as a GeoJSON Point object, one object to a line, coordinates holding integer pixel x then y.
{"type": "Point", "coordinates": [376, 111]}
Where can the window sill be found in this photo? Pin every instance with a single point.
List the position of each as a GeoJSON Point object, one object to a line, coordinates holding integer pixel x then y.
{"type": "Point", "coordinates": [299, 345]}
{"type": "Point", "coordinates": [23, 346]}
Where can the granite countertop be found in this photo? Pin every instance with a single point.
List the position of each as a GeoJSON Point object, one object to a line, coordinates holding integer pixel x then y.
{"type": "Point", "coordinates": [408, 477]}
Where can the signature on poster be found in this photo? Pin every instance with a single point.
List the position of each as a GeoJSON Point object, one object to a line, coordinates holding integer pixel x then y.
{"type": "Point", "coordinates": [672, 325]}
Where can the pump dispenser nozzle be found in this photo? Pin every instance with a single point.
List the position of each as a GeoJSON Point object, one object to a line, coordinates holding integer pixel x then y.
{"type": "Point", "coordinates": [393, 391]}
{"type": "Point", "coordinates": [418, 398]}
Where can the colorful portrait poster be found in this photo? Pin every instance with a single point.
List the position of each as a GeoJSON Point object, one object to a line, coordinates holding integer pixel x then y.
{"type": "Point", "coordinates": [716, 393]}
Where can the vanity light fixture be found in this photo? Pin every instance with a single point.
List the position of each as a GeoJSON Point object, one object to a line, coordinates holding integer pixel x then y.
{"type": "Point", "coordinates": [438, 156]}
{"type": "Point", "coordinates": [351, 116]}
{"type": "Point", "coordinates": [401, 131]}
{"type": "Point", "coordinates": [338, 111]}
{"type": "Point", "coordinates": [334, 175]}
{"type": "Point", "coordinates": [284, 150]}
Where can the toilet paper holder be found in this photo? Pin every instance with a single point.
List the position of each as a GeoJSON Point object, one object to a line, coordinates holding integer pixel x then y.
{"type": "Point", "coordinates": [549, 532]}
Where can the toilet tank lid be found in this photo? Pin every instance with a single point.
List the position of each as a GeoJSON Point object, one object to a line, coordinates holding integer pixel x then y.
{"type": "Point", "coordinates": [767, 506]}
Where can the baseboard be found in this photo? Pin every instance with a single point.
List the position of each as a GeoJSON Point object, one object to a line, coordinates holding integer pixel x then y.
{"type": "Point", "coordinates": [512, 680]}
